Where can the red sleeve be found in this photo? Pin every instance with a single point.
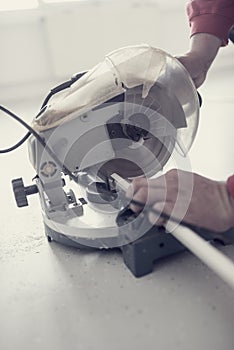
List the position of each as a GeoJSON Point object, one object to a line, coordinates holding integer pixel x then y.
{"type": "Point", "coordinates": [214, 17]}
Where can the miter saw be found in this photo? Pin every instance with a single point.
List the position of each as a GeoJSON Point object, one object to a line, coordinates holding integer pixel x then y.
{"type": "Point", "coordinates": [123, 119]}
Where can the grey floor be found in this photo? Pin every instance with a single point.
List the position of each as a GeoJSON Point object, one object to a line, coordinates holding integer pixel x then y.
{"type": "Point", "coordinates": [54, 297]}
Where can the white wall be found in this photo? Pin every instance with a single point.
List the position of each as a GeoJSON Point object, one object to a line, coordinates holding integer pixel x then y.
{"type": "Point", "coordinates": [44, 46]}
{"type": "Point", "coordinates": [47, 45]}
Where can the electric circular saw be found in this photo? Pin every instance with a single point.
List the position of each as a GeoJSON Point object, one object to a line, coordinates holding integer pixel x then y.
{"type": "Point", "coordinates": [120, 120]}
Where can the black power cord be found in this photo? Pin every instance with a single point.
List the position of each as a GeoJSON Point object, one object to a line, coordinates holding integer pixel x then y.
{"type": "Point", "coordinates": [18, 144]}
{"type": "Point", "coordinates": [53, 91]}
{"type": "Point", "coordinates": [31, 131]}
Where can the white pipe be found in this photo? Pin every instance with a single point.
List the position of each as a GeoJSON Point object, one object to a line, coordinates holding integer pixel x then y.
{"type": "Point", "coordinates": [212, 257]}
{"type": "Point", "coordinates": [122, 183]}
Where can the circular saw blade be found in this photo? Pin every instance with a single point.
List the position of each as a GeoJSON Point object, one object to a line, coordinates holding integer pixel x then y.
{"type": "Point", "coordinates": [150, 153]}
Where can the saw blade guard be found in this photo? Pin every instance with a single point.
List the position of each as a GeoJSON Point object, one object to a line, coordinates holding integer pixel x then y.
{"type": "Point", "coordinates": [148, 77]}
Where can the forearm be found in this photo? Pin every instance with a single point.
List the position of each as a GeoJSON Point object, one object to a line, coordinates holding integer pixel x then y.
{"type": "Point", "coordinates": [205, 47]}
{"type": "Point", "coordinates": [202, 52]}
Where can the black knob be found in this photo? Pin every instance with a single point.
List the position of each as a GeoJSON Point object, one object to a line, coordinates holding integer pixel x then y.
{"type": "Point", "coordinates": [21, 192]}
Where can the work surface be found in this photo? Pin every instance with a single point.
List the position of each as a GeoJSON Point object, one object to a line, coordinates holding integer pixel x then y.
{"type": "Point", "coordinates": [54, 297]}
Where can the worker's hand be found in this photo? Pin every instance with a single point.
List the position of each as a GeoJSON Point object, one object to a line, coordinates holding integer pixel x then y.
{"type": "Point", "coordinates": [203, 50]}
{"type": "Point", "coordinates": [187, 196]}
